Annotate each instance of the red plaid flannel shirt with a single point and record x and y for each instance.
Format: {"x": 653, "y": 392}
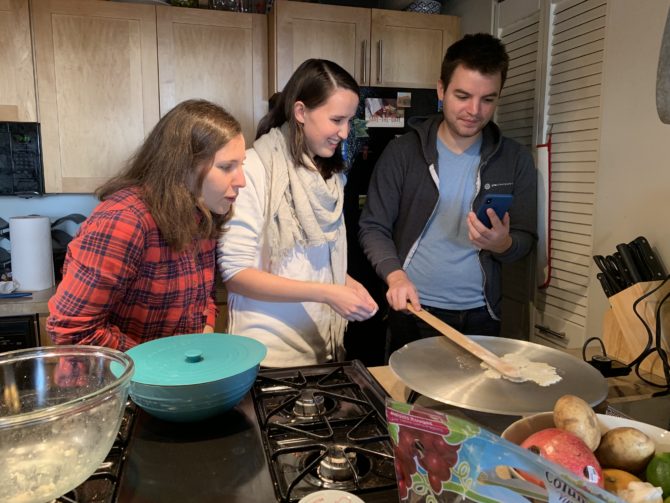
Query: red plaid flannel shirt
{"x": 123, "y": 285}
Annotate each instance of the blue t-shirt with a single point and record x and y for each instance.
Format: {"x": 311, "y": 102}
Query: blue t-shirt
{"x": 445, "y": 268}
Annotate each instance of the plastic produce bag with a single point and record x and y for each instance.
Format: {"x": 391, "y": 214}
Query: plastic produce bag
{"x": 442, "y": 458}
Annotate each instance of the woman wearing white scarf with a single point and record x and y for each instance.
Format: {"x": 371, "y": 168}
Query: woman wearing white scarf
{"x": 284, "y": 254}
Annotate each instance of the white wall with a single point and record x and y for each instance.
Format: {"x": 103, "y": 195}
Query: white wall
{"x": 52, "y": 206}
{"x": 476, "y": 15}
{"x": 513, "y": 10}
{"x": 633, "y": 183}
{"x": 479, "y": 15}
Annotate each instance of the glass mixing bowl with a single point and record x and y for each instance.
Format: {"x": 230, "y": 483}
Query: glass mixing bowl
{"x": 60, "y": 411}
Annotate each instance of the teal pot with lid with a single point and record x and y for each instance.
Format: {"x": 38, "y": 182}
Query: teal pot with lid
{"x": 195, "y": 376}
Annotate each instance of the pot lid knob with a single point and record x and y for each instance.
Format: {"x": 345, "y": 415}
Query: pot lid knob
{"x": 193, "y": 356}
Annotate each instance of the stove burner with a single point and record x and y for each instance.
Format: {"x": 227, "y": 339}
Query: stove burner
{"x": 338, "y": 468}
{"x": 309, "y": 404}
{"x": 323, "y": 427}
{"x": 338, "y": 465}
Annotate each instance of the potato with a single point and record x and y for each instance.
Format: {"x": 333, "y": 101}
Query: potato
{"x": 574, "y": 415}
{"x": 625, "y": 448}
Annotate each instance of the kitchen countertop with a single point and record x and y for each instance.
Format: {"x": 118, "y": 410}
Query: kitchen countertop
{"x": 37, "y": 304}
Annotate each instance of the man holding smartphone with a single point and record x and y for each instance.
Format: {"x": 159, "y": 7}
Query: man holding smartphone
{"x": 419, "y": 228}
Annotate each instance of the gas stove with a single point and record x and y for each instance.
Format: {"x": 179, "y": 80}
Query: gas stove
{"x": 298, "y": 431}
{"x": 101, "y": 486}
{"x": 324, "y": 427}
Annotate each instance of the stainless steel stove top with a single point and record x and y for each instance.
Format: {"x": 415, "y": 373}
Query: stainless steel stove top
{"x": 256, "y": 452}
{"x": 324, "y": 427}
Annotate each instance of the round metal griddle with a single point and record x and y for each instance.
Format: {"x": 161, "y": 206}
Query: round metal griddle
{"x": 439, "y": 369}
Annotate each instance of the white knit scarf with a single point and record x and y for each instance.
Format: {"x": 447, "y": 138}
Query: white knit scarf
{"x": 303, "y": 208}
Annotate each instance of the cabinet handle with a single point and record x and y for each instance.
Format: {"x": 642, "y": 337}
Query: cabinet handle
{"x": 548, "y": 331}
{"x": 365, "y": 61}
{"x": 380, "y": 59}
{"x": 36, "y": 327}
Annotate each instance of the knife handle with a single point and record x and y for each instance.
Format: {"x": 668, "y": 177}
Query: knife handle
{"x": 640, "y": 263}
{"x": 649, "y": 257}
{"x": 611, "y": 274}
{"x": 605, "y": 284}
{"x": 626, "y": 278}
{"x": 629, "y": 261}
{"x": 614, "y": 274}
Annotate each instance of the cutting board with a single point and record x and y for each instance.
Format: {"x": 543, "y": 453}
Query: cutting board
{"x": 624, "y": 334}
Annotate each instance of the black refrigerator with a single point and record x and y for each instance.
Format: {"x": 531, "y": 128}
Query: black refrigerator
{"x": 388, "y": 111}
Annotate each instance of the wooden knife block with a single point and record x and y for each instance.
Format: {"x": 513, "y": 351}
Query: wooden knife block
{"x": 624, "y": 334}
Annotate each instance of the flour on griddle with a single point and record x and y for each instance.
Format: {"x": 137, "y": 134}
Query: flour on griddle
{"x": 538, "y": 372}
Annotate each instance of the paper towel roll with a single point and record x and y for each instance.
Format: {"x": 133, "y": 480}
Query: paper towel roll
{"x": 32, "y": 256}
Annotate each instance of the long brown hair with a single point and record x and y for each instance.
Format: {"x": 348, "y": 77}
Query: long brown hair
{"x": 170, "y": 166}
{"x": 313, "y": 82}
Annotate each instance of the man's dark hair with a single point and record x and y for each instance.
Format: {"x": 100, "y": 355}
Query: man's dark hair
{"x": 481, "y": 52}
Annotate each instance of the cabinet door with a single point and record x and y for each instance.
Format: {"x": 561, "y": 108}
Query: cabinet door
{"x": 17, "y": 84}
{"x": 217, "y": 56}
{"x": 407, "y": 47}
{"x": 299, "y": 31}
{"x": 97, "y": 82}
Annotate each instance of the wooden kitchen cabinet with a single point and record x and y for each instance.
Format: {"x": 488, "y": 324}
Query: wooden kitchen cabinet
{"x": 407, "y": 48}
{"x": 299, "y": 31}
{"x": 45, "y": 340}
{"x": 106, "y": 71}
{"x": 382, "y": 48}
{"x": 97, "y": 81}
{"x": 221, "y": 325}
{"x": 17, "y": 85}
{"x": 217, "y": 56}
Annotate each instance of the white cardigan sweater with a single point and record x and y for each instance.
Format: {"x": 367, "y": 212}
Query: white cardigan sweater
{"x": 295, "y": 333}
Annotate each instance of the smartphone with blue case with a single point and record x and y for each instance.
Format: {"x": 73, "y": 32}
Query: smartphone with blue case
{"x": 500, "y": 203}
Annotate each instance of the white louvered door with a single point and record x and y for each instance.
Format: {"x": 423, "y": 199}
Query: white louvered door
{"x": 576, "y": 41}
{"x": 516, "y": 116}
{"x": 516, "y": 111}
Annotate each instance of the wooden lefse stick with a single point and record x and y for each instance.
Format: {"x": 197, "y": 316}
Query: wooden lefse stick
{"x": 507, "y": 370}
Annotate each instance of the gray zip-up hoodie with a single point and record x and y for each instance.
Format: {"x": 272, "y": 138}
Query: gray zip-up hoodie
{"x": 403, "y": 194}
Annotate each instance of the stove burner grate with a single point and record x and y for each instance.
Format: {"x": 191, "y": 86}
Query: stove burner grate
{"x": 342, "y": 467}
{"x": 101, "y": 486}
{"x": 323, "y": 427}
{"x": 338, "y": 465}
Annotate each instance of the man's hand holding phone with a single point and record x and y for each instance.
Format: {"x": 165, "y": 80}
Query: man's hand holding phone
{"x": 489, "y": 228}
{"x": 499, "y": 203}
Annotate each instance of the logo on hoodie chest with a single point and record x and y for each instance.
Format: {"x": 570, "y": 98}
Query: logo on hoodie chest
{"x": 489, "y": 186}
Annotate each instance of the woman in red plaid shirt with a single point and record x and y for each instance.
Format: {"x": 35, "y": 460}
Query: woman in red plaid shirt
{"x": 142, "y": 265}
